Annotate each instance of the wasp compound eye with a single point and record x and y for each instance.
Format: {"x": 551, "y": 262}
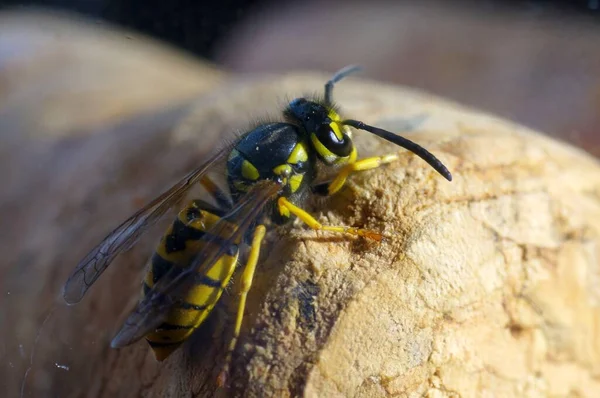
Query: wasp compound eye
{"x": 332, "y": 141}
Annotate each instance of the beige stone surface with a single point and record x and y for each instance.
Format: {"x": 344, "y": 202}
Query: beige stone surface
{"x": 485, "y": 286}
{"x": 53, "y": 62}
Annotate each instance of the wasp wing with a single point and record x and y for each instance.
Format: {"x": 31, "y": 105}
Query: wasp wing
{"x": 172, "y": 287}
{"x": 125, "y": 235}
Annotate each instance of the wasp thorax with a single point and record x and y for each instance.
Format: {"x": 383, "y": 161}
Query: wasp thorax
{"x": 324, "y": 128}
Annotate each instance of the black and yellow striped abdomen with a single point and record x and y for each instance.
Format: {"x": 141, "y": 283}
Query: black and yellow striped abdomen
{"x": 184, "y": 238}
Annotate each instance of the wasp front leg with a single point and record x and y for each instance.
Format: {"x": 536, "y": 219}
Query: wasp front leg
{"x": 286, "y": 208}
{"x": 361, "y": 165}
{"x": 246, "y": 283}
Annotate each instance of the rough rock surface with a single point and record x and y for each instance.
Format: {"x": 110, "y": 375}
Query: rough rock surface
{"x": 487, "y": 285}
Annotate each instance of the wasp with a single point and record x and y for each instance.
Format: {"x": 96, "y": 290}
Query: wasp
{"x": 270, "y": 170}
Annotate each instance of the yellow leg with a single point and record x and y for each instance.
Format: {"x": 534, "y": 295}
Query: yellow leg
{"x": 246, "y": 283}
{"x": 360, "y": 165}
{"x": 286, "y": 207}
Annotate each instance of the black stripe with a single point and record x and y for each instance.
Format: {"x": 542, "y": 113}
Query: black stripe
{"x": 170, "y": 326}
{"x": 216, "y": 240}
{"x": 175, "y": 241}
{"x": 155, "y": 344}
{"x": 160, "y": 267}
{"x": 208, "y": 281}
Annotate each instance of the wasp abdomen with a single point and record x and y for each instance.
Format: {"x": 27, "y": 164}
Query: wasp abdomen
{"x": 188, "y": 234}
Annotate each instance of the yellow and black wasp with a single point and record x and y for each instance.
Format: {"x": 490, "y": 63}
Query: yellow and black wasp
{"x": 270, "y": 172}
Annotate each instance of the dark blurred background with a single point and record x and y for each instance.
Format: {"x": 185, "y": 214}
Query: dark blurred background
{"x": 534, "y": 62}
{"x": 201, "y": 26}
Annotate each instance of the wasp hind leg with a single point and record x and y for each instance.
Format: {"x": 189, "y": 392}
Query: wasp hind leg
{"x": 246, "y": 283}
{"x": 286, "y": 208}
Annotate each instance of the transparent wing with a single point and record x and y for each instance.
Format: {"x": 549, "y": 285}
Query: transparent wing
{"x": 172, "y": 287}
{"x": 125, "y": 235}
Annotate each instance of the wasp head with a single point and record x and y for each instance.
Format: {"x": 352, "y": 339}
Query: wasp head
{"x": 322, "y": 125}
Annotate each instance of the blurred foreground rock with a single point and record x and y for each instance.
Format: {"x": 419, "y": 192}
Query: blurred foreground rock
{"x": 486, "y": 285}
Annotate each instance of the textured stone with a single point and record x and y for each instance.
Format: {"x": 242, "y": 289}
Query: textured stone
{"x": 485, "y": 286}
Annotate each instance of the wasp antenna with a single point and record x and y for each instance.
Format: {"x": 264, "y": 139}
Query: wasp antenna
{"x": 404, "y": 143}
{"x": 339, "y": 75}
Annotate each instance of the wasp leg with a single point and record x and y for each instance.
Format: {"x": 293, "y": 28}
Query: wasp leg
{"x": 246, "y": 283}
{"x": 286, "y": 207}
{"x": 360, "y": 165}
{"x": 217, "y": 193}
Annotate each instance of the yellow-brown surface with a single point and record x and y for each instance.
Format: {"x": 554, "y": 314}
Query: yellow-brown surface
{"x": 485, "y": 285}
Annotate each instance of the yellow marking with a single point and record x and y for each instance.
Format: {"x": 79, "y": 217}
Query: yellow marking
{"x": 284, "y": 169}
{"x": 347, "y": 130}
{"x": 180, "y": 316}
{"x": 205, "y": 221}
{"x": 333, "y": 115}
{"x": 176, "y": 317}
{"x": 199, "y": 295}
{"x": 181, "y": 257}
{"x": 353, "y": 155}
{"x": 299, "y": 154}
{"x": 336, "y": 130}
{"x": 202, "y": 295}
{"x": 295, "y": 181}
{"x": 329, "y": 156}
{"x": 178, "y": 257}
{"x": 314, "y": 224}
{"x": 249, "y": 171}
{"x": 246, "y": 283}
{"x": 222, "y": 269}
{"x": 361, "y": 165}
